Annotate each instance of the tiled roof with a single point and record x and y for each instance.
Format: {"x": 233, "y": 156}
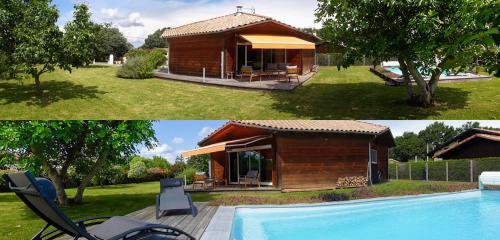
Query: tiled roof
{"x": 219, "y": 24}
{"x": 338, "y": 126}
{"x": 347, "y": 126}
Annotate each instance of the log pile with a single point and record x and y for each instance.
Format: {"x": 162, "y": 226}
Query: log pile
{"x": 349, "y": 182}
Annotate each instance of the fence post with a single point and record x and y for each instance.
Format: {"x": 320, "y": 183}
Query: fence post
{"x": 329, "y": 57}
{"x": 397, "y": 172}
{"x": 471, "y": 171}
{"x": 447, "y": 171}
{"x": 426, "y": 171}
{"x": 409, "y": 169}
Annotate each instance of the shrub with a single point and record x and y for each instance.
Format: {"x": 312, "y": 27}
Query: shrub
{"x": 333, "y": 197}
{"x": 157, "y": 57}
{"x": 137, "y": 68}
{"x": 137, "y": 170}
{"x": 137, "y": 52}
{"x": 363, "y": 192}
{"x": 159, "y": 162}
{"x": 111, "y": 175}
{"x": 157, "y": 174}
{"x": 189, "y": 173}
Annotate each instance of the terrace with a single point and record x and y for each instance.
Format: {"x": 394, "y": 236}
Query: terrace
{"x": 271, "y": 83}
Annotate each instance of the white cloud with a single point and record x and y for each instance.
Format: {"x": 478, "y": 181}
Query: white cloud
{"x": 205, "y": 131}
{"x": 178, "y": 140}
{"x": 138, "y": 19}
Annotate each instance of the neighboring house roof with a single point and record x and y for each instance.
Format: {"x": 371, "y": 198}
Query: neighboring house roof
{"x": 334, "y": 126}
{"x": 465, "y": 137}
{"x": 222, "y": 24}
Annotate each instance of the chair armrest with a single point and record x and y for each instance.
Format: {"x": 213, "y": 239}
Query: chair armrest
{"x": 154, "y": 229}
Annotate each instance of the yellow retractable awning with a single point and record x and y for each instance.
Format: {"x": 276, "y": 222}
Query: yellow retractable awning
{"x": 219, "y": 147}
{"x": 277, "y": 42}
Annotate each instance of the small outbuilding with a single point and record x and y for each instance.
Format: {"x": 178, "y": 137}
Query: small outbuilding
{"x": 297, "y": 154}
{"x": 225, "y": 44}
{"x": 474, "y": 143}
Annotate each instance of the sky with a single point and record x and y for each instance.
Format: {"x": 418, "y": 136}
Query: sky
{"x": 177, "y": 136}
{"x": 136, "y": 19}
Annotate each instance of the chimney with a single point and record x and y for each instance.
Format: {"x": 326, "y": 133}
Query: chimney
{"x": 239, "y": 10}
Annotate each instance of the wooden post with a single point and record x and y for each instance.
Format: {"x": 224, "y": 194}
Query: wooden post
{"x": 409, "y": 169}
{"x": 447, "y": 171}
{"x": 204, "y": 73}
{"x": 471, "y": 171}
{"x": 397, "y": 172}
{"x": 262, "y": 60}
{"x": 426, "y": 171}
{"x": 222, "y": 64}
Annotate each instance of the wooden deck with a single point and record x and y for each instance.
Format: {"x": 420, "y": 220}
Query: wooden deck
{"x": 232, "y": 188}
{"x": 192, "y": 225}
{"x": 256, "y": 84}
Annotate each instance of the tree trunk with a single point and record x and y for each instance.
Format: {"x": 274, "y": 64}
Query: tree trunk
{"x": 38, "y": 85}
{"x": 425, "y": 90}
{"x": 58, "y": 181}
{"x": 407, "y": 79}
{"x": 433, "y": 83}
{"x": 86, "y": 180}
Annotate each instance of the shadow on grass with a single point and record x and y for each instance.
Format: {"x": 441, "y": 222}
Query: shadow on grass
{"x": 54, "y": 91}
{"x": 362, "y": 101}
{"x": 95, "y": 66}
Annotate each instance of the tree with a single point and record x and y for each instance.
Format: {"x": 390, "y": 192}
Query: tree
{"x": 33, "y": 43}
{"x": 85, "y": 145}
{"x": 427, "y": 37}
{"x": 468, "y": 125}
{"x": 437, "y": 134}
{"x": 199, "y": 162}
{"x": 80, "y": 37}
{"x": 156, "y": 40}
{"x": 110, "y": 41}
{"x": 160, "y": 162}
{"x": 407, "y": 147}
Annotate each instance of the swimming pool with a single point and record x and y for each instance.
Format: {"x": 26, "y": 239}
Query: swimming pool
{"x": 461, "y": 216}
{"x": 397, "y": 70}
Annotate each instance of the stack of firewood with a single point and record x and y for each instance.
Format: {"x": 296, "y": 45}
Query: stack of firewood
{"x": 349, "y": 182}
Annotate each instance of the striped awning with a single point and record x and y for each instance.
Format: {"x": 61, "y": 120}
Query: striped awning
{"x": 277, "y": 42}
{"x": 223, "y": 146}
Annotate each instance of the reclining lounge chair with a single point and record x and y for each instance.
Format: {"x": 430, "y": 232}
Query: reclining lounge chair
{"x": 172, "y": 198}
{"x": 39, "y": 195}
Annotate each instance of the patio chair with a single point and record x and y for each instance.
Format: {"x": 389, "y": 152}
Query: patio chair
{"x": 247, "y": 71}
{"x": 292, "y": 72}
{"x": 251, "y": 178}
{"x": 202, "y": 179}
{"x": 173, "y": 199}
{"x": 39, "y": 195}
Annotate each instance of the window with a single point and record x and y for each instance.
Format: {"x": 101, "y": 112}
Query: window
{"x": 374, "y": 157}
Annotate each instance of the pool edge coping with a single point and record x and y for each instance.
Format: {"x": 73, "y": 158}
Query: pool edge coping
{"x": 221, "y": 225}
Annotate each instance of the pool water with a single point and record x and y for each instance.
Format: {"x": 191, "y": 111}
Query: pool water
{"x": 462, "y": 216}
{"x": 398, "y": 71}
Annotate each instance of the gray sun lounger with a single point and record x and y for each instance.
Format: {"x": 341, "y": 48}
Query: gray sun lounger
{"x": 39, "y": 195}
{"x": 172, "y": 199}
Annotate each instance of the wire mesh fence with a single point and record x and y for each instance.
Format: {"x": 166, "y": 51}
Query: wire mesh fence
{"x": 335, "y": 59}
{"x": 450, "y": 170}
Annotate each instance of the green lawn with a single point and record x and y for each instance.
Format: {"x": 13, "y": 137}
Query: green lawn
{"x": 95, "y": 93}
{"x": 18, "y": 222}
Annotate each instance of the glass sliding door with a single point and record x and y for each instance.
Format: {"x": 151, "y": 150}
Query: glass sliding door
{"x": 242, "y": 162}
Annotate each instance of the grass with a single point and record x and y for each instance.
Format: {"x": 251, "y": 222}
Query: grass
{"x": 96, "y": 93}
{"x": 17, "y": 221}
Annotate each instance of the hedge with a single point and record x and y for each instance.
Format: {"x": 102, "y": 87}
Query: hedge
{"x": 458, "y": 170}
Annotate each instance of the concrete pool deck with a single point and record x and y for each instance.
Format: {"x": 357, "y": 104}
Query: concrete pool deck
{"x": 220, "y": 226}
{"x": 393, "y": 79}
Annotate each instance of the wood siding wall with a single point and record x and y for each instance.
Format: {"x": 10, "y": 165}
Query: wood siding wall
{"x": 189, "y": 55}
{"x": 318, "y": 162}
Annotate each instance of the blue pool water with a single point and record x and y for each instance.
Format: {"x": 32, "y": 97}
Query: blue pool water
{"x": 463, "y": 216}
{"x": 398, "y": 71}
